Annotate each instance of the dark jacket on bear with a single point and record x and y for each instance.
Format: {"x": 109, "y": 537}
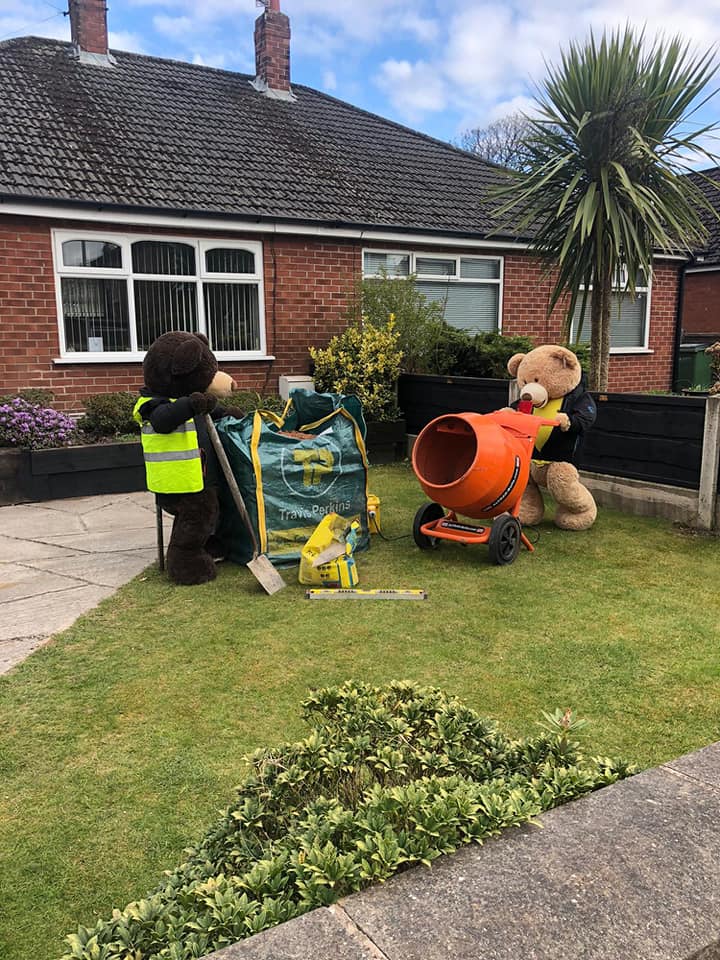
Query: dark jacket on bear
{"x": 165, "y": 415}
{"x": 563, "y": 446}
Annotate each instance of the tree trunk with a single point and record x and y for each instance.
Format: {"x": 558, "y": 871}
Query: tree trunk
{"x": 606, "y": 301}
{"x": 596, "y": 333}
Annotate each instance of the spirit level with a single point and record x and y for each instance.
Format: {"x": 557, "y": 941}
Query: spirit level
{"x": 355, "y": 594}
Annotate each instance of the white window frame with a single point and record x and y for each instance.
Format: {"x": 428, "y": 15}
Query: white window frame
{"x": 639, "y": 290}
{"x": 125, "y": 241}
{"x": 435, "y": 278}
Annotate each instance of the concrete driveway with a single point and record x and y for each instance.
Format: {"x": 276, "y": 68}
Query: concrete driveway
{"x": 60, "y": 558}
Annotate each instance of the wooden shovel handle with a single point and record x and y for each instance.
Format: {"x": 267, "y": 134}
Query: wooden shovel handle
{"x": 231, "y": 482}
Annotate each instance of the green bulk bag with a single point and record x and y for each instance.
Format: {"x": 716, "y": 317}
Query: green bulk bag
{"x": 289, "y": 484}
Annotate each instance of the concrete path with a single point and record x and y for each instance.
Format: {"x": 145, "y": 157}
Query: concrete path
{"x": 60, "y": 558}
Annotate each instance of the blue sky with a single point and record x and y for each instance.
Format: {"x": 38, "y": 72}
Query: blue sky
{"x": 436, "y": 65}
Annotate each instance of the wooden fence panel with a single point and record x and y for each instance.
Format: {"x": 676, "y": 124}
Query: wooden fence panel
{"x": 654, "y": 438}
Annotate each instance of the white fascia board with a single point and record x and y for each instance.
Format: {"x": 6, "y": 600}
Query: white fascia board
{"x": 712, "y": 268}
{"x": 188, "y": 223}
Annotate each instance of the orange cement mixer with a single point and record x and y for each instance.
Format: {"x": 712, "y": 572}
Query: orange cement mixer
{"x": 478, "y": 466}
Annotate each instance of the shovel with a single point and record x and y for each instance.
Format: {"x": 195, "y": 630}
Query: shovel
{"x": 260, "y": 567}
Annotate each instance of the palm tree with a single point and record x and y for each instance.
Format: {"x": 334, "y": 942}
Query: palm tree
{"x": 604, "y": 185}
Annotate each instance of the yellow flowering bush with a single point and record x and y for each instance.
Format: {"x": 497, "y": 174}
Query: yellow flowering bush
{"x": 365, "y": 360}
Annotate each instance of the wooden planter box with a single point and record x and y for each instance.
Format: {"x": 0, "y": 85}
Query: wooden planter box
{"x": 30, "y": 476}
{"x": 386, "y": 441}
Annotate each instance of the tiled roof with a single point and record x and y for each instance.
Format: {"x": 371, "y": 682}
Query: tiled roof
{"x": 161, "y": 134}
{"x": 711, "y": 252}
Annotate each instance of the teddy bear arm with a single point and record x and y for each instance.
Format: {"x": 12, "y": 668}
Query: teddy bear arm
{"x": 165, "y": 416}
{"x": 202, "y": 402}
{"x": 583, "y": 414}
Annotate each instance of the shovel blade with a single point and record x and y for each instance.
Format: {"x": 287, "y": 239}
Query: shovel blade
{"x": 266, "y": 574}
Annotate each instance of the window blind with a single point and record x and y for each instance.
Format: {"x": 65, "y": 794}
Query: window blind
{"x": 627, "y": 320}
{"x": 473, "y": 307}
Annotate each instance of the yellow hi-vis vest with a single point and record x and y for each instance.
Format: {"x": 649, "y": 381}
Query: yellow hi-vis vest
{"x": 172, "y": 460}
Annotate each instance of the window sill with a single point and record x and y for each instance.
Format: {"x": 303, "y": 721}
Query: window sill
{"x": 139, "y": 357}
{"x": 615, "y": 351}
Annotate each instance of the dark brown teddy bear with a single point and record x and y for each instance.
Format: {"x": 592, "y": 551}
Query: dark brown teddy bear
{"x": 182, "y": 383}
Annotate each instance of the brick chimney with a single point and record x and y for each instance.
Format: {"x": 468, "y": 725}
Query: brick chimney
{"x": 272, "y": 51}
{"x": 88, "y": 30}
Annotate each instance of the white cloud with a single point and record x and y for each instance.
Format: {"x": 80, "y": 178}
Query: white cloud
{"x": 34, "y": 19}
{"x": 125, "y": 40}
{"x": 209, "y": 61}
{"x": 329, "y": 80}
{"x": 413, "y": 88}
{"x": 175, "y": 28}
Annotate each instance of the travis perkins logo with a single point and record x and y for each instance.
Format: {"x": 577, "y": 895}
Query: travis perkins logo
{"x": 311, "y": 471}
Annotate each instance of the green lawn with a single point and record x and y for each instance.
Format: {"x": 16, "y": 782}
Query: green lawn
{"x": 121, "y": 740}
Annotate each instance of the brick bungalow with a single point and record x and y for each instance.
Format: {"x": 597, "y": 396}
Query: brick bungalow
{"x": 139, "y": 194}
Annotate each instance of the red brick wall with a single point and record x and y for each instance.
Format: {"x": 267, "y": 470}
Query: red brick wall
{"x": 88, "y": 25}
{"x": 272, "y": 49}
{"x": 525, "y": 303}
{"x": 307, "y": 285}
{"x": 701, "y": 305}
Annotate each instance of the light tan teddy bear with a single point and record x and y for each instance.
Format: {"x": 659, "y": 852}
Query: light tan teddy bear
{"x": 550, "y": 377}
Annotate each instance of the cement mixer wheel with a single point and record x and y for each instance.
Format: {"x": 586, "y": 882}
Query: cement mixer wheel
{"x": 426, "y": 514}
{"x": 504, "y": 542}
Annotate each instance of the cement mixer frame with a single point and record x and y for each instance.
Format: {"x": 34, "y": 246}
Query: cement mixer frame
{"x": 478, "y": 466}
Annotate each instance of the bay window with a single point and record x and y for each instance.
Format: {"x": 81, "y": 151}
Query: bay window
{"x": 118, "y": 294}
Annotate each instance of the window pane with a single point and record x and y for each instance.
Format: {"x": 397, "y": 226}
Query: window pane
{"x": 433, "y": 266}
{"x": 229, "y": 260}
{"x": 161, "y": 306}
{"x": 627, "y": 325}
{"x": 95, "y": 314}
{"x": 394, "y": 264}
{"x": 233, "y": 316}
{"x": 159, "y": 257}
{"x": 480, "y": 269}
{"x": 469, "y": 306}
{"x": 91, "y": 253}
{"x": 627, "y": 320}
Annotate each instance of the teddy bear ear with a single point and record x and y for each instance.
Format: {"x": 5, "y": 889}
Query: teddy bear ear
{"x": 203, "y": 339}
{"x": 187, "y": 356}
{"x": 514, "y": 363}
{"x": 566, "y": 357}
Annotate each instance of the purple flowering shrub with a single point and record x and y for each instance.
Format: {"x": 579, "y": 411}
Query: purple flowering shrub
{"x": 24, "y": 424}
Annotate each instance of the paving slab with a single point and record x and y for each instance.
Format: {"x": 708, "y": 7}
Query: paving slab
{"x": 702, "y": 765}
{"x": 18, "y": 582}
{"x": 125, "y": 515}
{"x": 143, "y": 498}
{"x": 319, "y": 935}
{"x": 108, "y": 569}
{"x": 60, "y": 558}
{"x": 32, "y": 617}
{"x": 632, "y": 871}
{"x": 13, "y": 549}
{"x": 79, "y": 505}
{"x": 107, "y": 541}
{"x": 34, "y": 522}
{"x": 13, "y": 652}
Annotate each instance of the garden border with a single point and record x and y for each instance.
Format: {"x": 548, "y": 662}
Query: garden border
{"x": 608, "y": 877}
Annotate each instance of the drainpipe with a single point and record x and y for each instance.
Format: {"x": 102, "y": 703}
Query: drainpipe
{"x": 678, "y": 328}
